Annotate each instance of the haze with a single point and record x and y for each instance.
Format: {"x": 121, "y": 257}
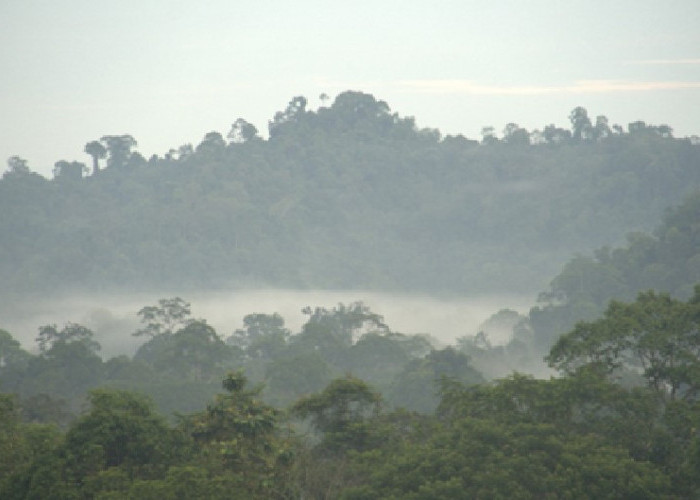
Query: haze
{"x": 169, "y": 72}
{"x": 114, "y": 319}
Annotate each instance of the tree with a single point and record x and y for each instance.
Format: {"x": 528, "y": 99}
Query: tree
{"x": 193, "y": 353}
{"x": 66, "y": 368}
{"x": 98, "y": 152}
{"x": 602, "y": 129}
{"x": 242, "y": 131}
{"x": 184, "y": 152}
{"x": 290, "y": 377}
{"x": 340, "y": 412}
{"x": 238, "y": 433}
{"x": 22, "y": 448}
{"x": 665, "y": 131}
{"x": 555, "y": 135}
{"x": 212, "y": 146}
{"x": 346, "y": 322}
{"x": 262, "y": 335}
{"x": 416, "y": 388}
{"x": 580, "y": 124}
{"x": 656, "y": 334}
{"x": 118, "y": 149}
{"x": 294, "y": 111}
{"x": 355, "y": 106}
{"x": 637, "y": 127}
{"x": 513, "y": 134}
{"x": 11, "y": 353}
{"x": 49, "y": 337}
{"x": 69, "y": 170}
{"x": 120, "y": 430}
{"x": 135, "y": 160}
{"x": 16, "y": 167}
{"x": 488, "y": 135}
{"x": 164, "y": 318}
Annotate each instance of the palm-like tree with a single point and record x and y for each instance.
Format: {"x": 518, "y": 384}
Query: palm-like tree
{"x": 97, "y": 151}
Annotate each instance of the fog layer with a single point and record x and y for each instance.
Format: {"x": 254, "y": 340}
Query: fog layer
{"x": 113, "y": 317}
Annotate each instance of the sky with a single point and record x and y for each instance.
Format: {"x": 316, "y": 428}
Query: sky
{"x": 168, "y": 72}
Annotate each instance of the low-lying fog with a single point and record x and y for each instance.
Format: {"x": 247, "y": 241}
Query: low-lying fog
{"x": 113, "y": 317}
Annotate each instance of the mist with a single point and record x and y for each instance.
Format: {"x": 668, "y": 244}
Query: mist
{"x": 113, "y": 317}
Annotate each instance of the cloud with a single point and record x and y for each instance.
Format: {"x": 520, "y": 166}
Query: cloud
{"x": 579, "y": 87}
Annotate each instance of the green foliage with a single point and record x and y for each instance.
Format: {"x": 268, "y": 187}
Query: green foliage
{"x": 308, "y": 206}
{"x": 67, "y": 370}
{"x": 238, "y": 434}
{"x": 120, "y": 430}
{"x": 340, "y": 413}
{"x": 50, "y": 338}
{"x": 479, "y": 459}
{"x": 655, "y": 334}
{"x": 262, "y": 335}
{"x": 291, "y": 377}
{"x": 12, "y": 356}
{"x": 594, "y": 432}
{"x": 194, "y": 352}
{"x": 164, "y": 319}
{"x": 417, "y": 386}
{"x": 665, "y": 261}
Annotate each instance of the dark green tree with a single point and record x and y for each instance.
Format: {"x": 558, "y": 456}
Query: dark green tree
{"x": 341, "y": 413}
{"x": 656, "y": 334}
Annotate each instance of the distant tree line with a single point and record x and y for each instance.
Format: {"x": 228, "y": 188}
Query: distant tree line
{"x": 348, "y": 195}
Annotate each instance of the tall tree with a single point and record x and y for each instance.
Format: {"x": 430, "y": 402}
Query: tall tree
{"x": 295, "y": 109}
{"x": 602, "y": 129}
{"x": 16, "y": 167}
{"x": 118, "y": 149}
{"x": 514, "y": 134}
{"x": 580, "y": 124}
{"x": 165, "y": 318}
{"x": 98, "y": 152}
{"x": 242, "y": 131}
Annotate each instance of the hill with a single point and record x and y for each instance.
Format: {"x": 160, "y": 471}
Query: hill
{"x": 346, "y": 196}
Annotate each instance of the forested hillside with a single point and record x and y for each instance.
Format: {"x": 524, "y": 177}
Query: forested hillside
{"x": 667, "y": 260}
{"x": 348, "y": 408}
{"x": 347, "y": 196}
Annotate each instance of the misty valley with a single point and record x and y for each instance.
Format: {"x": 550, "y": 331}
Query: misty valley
{"x": 355, "y": 308}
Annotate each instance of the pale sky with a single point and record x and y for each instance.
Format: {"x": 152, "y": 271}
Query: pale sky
{"x": 168, "y": 72}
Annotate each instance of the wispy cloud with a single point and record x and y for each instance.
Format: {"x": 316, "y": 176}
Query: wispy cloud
{"x": 663, "y": 61}
{"x": 579, "y": 87}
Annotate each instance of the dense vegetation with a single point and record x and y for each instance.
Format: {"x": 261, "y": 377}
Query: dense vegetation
{"x": 666, "y": 260}
{"x": 620, "y": 422}
{"x": 352, "y": 195}
{"x": 348, "y": 196}
{"x": 182, "y": 361}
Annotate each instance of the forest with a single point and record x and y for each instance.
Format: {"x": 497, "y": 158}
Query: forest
{"x": 596, "y": 394}
{"x": 348, "y": 196}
